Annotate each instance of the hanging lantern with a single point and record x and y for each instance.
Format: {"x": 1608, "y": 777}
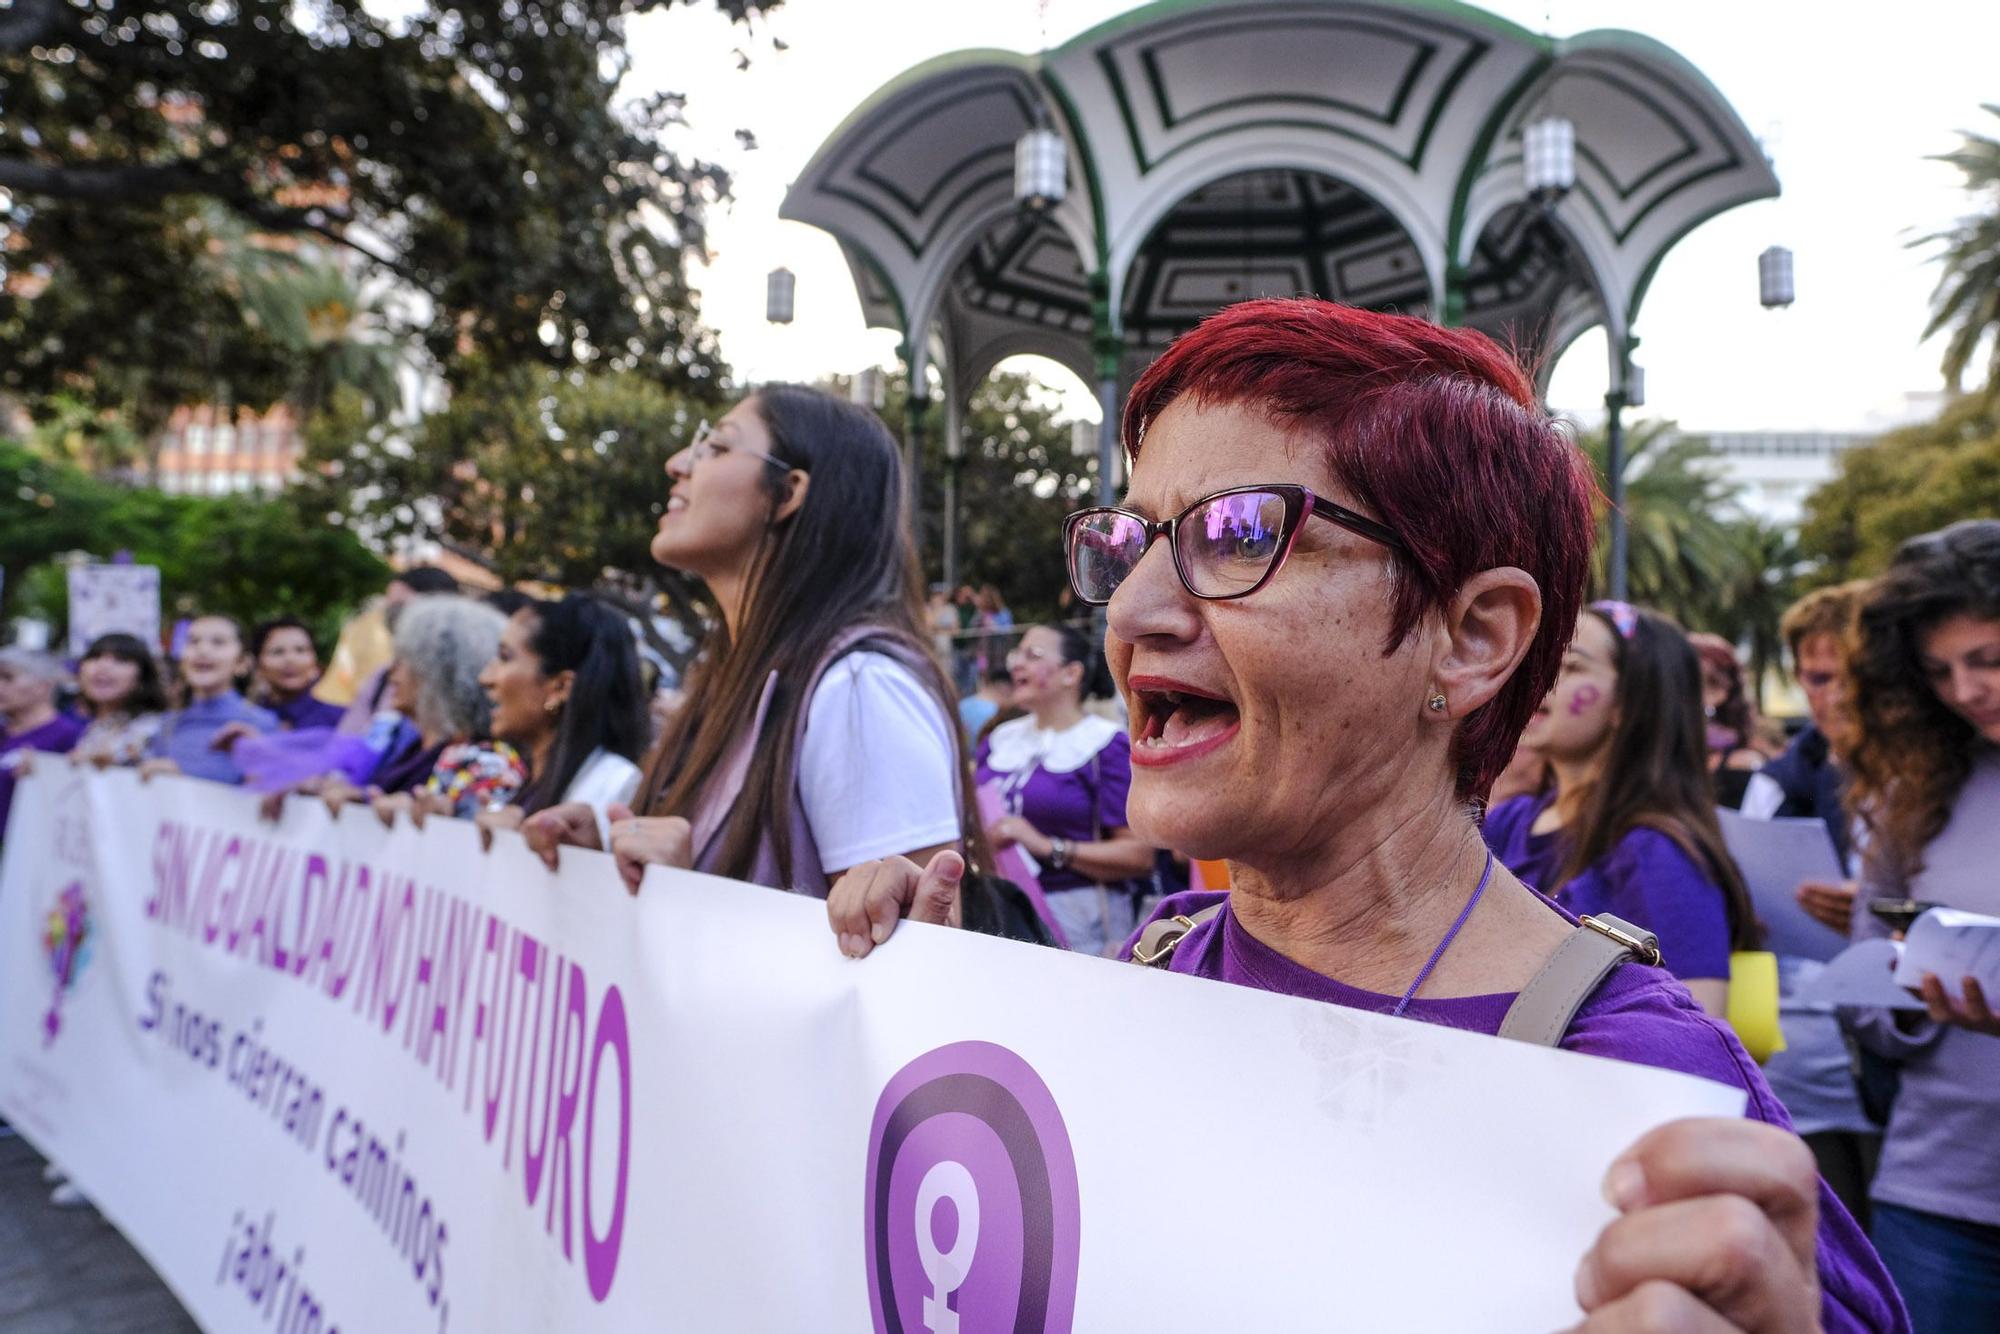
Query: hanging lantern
{"x": 1083, "y": 439}
{"x": 1041, "y": 168}
{"x": 1635, "y": 385}
{"x": 778, "y": 296}
{"x": 1548, "y": 158}
{"x": 866, "y": 388}
{"x": 1774, "y": 278}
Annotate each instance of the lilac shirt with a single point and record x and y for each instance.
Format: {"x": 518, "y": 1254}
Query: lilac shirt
{"x": 1640, "y": 1015}
{"x": 1080, "y": 805}
{"x": 57, "y": 736}
{"x": 1645, "y": 879}
{"x": 185, "y": 736}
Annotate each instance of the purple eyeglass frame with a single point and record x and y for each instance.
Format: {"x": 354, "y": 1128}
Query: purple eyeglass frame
{"x": 1299, "y": 502}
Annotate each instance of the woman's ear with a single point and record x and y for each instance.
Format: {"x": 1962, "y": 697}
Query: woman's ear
{"x": 559, "y": 687}
{"x": 797, "y": 483}
{"x": 1487, "y": 630}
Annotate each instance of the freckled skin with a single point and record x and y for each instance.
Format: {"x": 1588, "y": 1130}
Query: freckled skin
{"x": 1330, "y": 725}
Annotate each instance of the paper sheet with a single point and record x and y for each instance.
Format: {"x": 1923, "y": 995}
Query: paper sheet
{"x": 1775, "y": 857}
{"x": 1954, "y": 945}
{"x": 1864, "y": 974}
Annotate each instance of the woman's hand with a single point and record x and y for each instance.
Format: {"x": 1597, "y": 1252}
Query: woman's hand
{"x": 227, "y": 735}
{"x": 638, "y": 842}
{"x": 1829, "y": 904}
{"x": 1970, "y": 1010}
{"x": 388, "y": 805}
{"x": 1718, "y": 1231}
{"x": 152, "y": 768}
{"x": 866, "y": 903}
{"x": 1008, "y": 830}
{"x": 336, "y": 792}
{"x": 571, "y": 824}
{"x": 495, "y": 818}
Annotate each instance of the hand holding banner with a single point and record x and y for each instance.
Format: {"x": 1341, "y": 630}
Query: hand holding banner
{"x": 377, "y": 1079}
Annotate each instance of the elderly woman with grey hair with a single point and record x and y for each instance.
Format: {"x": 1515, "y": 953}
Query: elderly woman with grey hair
{"x": 441, "y": 644}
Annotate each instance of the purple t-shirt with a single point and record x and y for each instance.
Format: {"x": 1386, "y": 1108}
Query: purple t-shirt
{"x": 1637, "y": 1014}
{"x": 185, "y": 736}
{"x": 1073, "y": 795}
{"x": 57, "y": 736}
{"x": 1645, "y": 879}
{"x": 303, "y": 711}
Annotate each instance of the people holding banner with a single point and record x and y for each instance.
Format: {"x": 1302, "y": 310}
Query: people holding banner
{"x": 1923, "y": 679}
{"x": 566, "y": 692}
{"x": 196, "y": 739}
{"x": 443, "y": 643}
{"x": 121, "y": 693}
{"x": 29, "y": 721}
{"x": 287, "y": 669}
{"x": 1060, "y": 775}
{"x": 1376, "y": 544}
{"x": 818, "y": 731}
{"x": 1628, "y": 824}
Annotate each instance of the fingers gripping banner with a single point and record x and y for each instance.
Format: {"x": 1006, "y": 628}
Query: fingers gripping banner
{"x": 331, "y": 1076}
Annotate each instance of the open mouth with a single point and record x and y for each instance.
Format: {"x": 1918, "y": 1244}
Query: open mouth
{"x": 1173, "y": 721}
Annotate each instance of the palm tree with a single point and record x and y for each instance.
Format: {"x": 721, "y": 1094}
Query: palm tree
{"x": 1967, "y": 299}
{"x": 340, "y": 335}
{"x": 1678, "y": 514}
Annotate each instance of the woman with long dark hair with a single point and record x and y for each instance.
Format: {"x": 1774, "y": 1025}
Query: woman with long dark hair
{"x": 818, "y": 730}
{"x": 1731, "y": 719}
{"x": 123, "y": 693}
{"x": 1628, "y": 824}
{"x": 286, "y": 668}
{"x": 1058, "y": 778}
{"x": 566, "y": 693}
{"x": 1923, "y": 771}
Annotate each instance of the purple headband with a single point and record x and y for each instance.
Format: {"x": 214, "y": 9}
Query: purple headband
{"x": 1624, "y": 617}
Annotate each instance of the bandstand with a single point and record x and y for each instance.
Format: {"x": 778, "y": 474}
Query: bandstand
{"x": 1207, "y": 151}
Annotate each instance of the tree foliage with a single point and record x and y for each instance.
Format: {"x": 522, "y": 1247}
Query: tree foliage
{"x": 246, "y": 557}
{"x": 1966, "y": 304}
{"x": 1911, "y": 481}
{"x": 476, "y": 150}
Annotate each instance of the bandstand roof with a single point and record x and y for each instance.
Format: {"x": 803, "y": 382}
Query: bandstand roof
{"x": 1221, "y": 149}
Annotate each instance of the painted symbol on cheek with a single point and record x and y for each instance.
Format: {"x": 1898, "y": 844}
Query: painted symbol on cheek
{"x": 1585, "y": 697}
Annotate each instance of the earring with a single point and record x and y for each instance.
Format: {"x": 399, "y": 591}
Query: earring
{"x": 1437, "y": 703}
{"x": 552, "y": 707}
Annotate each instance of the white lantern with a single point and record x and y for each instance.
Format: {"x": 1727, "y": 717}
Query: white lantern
{"x": 1774, "y": 278}
{"x": 778, "y": 296}
{"x": 1635, "y": 385}
{"x": 1041, "y": 169}
{"x": 1548, "y": 158}
{"x": 1083, "y": 439}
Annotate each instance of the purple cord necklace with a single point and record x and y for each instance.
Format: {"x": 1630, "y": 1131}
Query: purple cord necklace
{"x": 1445, "y": 944}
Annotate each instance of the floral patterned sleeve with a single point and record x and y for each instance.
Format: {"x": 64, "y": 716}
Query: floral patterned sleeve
{"x": 477, "y": 776}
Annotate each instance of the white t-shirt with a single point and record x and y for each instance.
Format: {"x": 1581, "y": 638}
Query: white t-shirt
{"x": 604, "y": 778}
{"x": 877, "y": 772}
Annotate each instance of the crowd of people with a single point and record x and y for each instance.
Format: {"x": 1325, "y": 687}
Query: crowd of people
{"x": 1355, "y": 734}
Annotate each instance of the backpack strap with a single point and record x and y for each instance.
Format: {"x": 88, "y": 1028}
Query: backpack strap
{"x": 1541, "y": 1013}
{"x": 1155, "y": 948}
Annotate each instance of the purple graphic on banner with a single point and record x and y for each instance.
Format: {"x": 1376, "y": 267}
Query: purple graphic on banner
{"x": 66, "y": 940}
{"x": 973, "y": 1214}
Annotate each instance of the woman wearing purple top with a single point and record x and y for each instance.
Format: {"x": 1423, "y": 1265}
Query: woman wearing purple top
{"x": 1923, "y": 677}
{"x": 1353, "y": 548}
{"x": 287, "y": 669}
{"x": 1628, "y": 824}
{"x": 1061, "y": 776}
{"x": 196, "y": 740}
{"x": 28, "y": 718}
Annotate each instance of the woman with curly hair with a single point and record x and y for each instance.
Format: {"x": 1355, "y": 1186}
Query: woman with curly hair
{"x": 1924, "y": 781}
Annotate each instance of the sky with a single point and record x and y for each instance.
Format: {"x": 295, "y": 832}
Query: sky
{"x": 1848, "y": 108}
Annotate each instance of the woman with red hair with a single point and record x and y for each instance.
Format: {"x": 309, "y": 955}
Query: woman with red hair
{"x": 1351, "y": 553}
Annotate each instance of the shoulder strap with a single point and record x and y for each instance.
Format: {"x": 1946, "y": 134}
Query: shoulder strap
{"x": 1156, "y": 943}
{"x": 1541, "y": 1013}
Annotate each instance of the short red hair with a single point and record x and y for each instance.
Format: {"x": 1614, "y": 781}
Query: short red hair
{"x": 1438, "y": 432}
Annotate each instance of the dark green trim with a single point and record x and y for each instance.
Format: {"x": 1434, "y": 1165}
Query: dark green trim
{"x": 1421, "y": 54}
{"x": 859, "y": 254}
{"x": 1088, "y": 152}
{"x": 1482, "y": 146}
{"x": 1665, "y": 248}
{"x": 1450, "y": 10}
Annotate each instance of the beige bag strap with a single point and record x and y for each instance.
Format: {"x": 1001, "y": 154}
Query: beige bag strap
{"x": 1541, "y": 1013}
{"x": 1157, "y": 941}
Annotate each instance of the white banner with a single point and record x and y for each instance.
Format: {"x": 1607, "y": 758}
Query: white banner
{"x": 332, "y": 1077}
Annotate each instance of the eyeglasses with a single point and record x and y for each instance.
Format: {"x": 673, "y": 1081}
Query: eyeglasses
{"x": 1225, "y": 545}
{"x": 704, "y": 445}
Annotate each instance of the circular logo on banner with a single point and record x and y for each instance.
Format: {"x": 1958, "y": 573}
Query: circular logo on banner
{"x": 973, "y": 1216}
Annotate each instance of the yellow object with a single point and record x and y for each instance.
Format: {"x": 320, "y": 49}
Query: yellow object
{"x": 1753, "y": 1003}
{"x": 364, "y": 646}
